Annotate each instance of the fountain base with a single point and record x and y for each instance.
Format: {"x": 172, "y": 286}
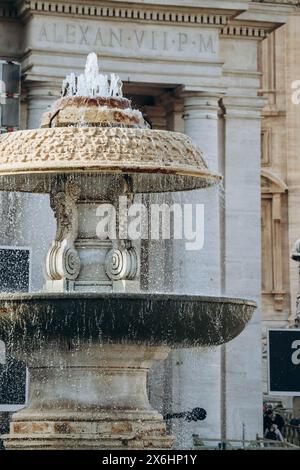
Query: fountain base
{"x": 89, "y": 396}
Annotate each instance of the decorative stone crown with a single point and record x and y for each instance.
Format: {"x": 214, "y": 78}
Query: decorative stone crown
{"x": 98, "y": 111}
{"x": 99, "y": 132}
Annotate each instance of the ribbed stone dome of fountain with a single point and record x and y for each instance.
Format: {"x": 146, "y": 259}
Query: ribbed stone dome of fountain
{"x": 92, "y": 128}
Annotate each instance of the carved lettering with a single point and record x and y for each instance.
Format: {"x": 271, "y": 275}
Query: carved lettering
{"x": 83, "y": 31}
{"x": 206, "y": 44}
{"x": 115, "y": 38}
{"x": 99, "y": 39}
{"x": 70, "y": 34}
{"x": 165, "y": 41}
{"x": 187, "y": 42}
{"x": 56, "y": 36}
{"x": 43, "y": 34}
{"x": 153, "y": 41}
{"x": 139, "y": 37}
{"x": 182, "y": 41}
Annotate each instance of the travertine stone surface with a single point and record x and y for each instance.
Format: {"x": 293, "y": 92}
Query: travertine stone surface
{"x": 94, "y": 398}
{"x": 102, "y": 149}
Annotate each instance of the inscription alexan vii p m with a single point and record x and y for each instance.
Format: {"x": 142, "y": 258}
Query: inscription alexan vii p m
{"x": 131, "y": 39}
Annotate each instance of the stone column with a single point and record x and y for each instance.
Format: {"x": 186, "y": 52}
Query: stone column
{"x": 40, "y": 96}
{"x": 196, "y": 373}
{"x": 15, "y": 228}
{"x": 242, "y": 260}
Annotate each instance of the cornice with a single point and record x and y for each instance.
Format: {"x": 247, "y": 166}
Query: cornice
{"x": 244, "y": 31}
{"x": 278, "y": 2}
{"x": 243, "y": 18}
{"x": 108, "y": 10}
{"x": 259, "y": 20}
{"x": 267, "y": 15}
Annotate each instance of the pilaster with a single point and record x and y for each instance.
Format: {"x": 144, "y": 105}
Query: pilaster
{"x": 242, "y": 254}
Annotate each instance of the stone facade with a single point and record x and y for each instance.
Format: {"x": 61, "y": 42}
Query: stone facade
{"x": 280, "y": 178}
{"x": 191, "y": 66}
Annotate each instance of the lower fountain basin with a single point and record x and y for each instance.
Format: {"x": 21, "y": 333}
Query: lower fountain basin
{"x": 31, "y": 321}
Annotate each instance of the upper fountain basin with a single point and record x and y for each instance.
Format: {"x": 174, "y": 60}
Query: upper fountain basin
{"x": 93, "y": 128}
{"x": 157, "y": 161}
{"x": 29, "y": 321}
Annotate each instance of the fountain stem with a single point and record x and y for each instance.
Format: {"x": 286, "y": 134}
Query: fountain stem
{"x": 78, "y": 260}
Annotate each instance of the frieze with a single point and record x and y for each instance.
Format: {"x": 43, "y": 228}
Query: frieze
{"x": 137, "y": 40}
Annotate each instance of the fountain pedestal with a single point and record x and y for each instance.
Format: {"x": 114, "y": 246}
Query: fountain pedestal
{"x": 89, "y": 397}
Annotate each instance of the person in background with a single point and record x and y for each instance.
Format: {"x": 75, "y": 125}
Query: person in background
{"x": 271, "y": 417}
{"x": 279, "y": 421}
{"x": 273, "y": 434}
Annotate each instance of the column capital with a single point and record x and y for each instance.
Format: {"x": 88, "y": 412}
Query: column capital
{"x": 185, "y": 92}
{"x": 200, "y": 103}
{"x": 43, "y": 89}
{"x": 200, "y": 106}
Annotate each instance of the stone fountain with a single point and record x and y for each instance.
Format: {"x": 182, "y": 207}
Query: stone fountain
{"x": 91, "y": 336}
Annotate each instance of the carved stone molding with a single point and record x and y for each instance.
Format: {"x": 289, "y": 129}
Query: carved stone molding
{"x": 153, "y": 14}
{"x": 121, "y": 264}
{"x": 272, "y": 191}
{"x": 279, "y": 2}
{"x": 244, "y": 31}
{"x": 63, "y": 262}
{"x": 266, "y": 147}
{"x": 271, "y": 184}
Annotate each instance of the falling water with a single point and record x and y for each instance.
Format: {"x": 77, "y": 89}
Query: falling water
{"x": 33, "y": 321}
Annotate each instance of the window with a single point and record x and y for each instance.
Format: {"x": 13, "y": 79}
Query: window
{"x": 273, "y": 190}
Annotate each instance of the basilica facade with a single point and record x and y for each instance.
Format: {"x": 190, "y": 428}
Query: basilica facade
{"x": 280, "y": 183}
